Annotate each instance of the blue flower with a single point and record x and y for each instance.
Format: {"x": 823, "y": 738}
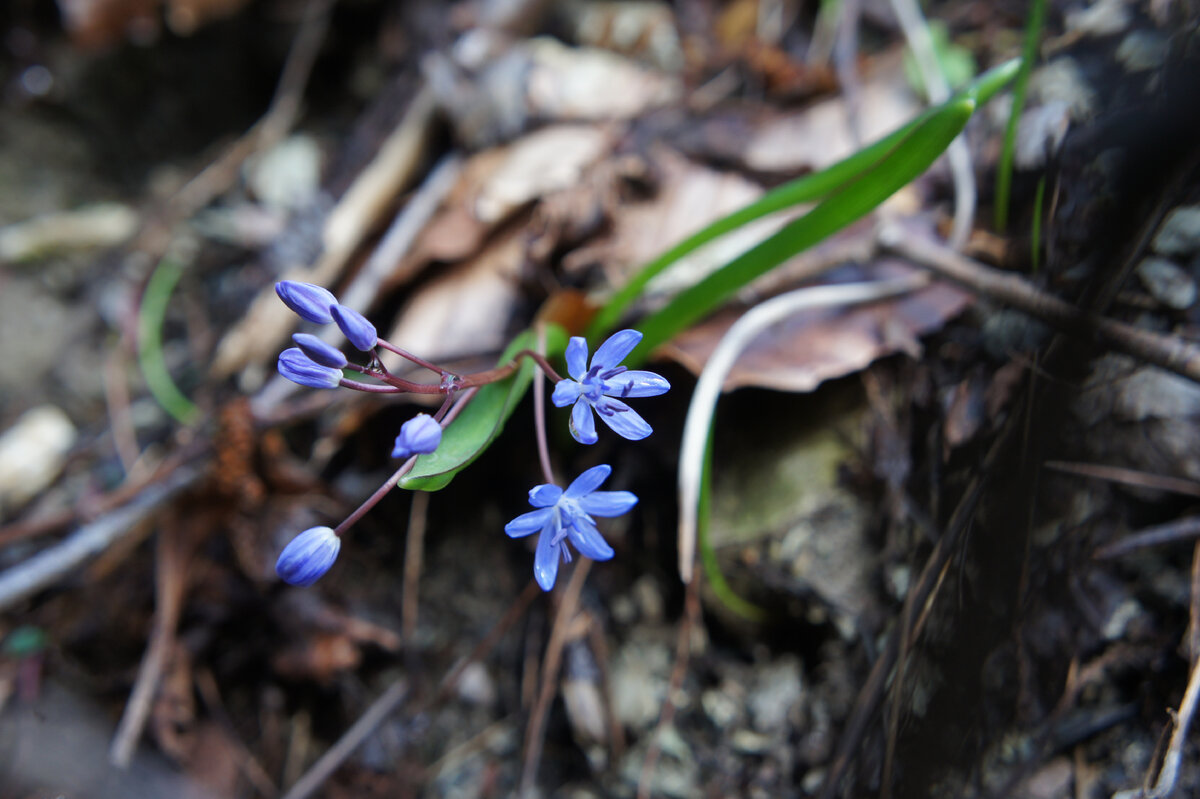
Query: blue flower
{"x": 601, "y": 385}
{"x": 567, "y": 515}
{"x": 420, "y": 435}
{"x": 299, "y": 368}
{"x": 358, "y": 330}
{"x": 319, "y": 351}
{"x": 309, "y": 555}
{"x": 309, "y": 301}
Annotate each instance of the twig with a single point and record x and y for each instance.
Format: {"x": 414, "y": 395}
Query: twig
{"x": 48, "y": 566}
{"x": 691, "y": 618}
{"x": 1179, "y": 530}
{"x": 722, "y": 359}
{"x": 539, "y": 412}
{"x": 536, "y": 731}
{"x": 1117, "y": 474}
{"x": 1169, "y": 352}
{"x": 1168, "y": 775}
{"x": 413, "y": 554}
{"x": 515, "y": 611}
{"x": 328, "y": 763}
{"x": 171, "y": 585}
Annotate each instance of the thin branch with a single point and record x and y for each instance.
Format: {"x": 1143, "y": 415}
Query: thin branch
{"x": 1169, "y": 352}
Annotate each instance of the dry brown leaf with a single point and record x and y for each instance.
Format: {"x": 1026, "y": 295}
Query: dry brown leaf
{"x": 689, "y": 196}
{"x": 820, "y": 345}
{"x": 819, "y": 135}
{"x": 318, "y": 657}
{"x": 465, "y": 310}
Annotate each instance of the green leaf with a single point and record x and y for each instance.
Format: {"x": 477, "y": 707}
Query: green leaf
{"x": 1033, "y": 37}
{"x": 151, "y": 316}
{"x": 482, "y": 420}
{"x": 907, "y": 159}
{"x": 802, "y": 190}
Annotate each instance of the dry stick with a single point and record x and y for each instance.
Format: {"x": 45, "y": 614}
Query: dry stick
{"x": 1193, "y": 634}
{"x": 1117, "y": 474}
{"x": 1178, "y": 530}
{"x": 926, "y": 586}
{"x": 1169, "y": 352}
{"x": 536, "y": 731}
{"x": 1168, "y": 775}
{"x": 691, "y": 618}
{"x": 48, "y": 566}
{"x": 210, "y": 693}
{"x": 413, "y": 552}
{"x": 171, "y": 585}
{"x": 116, "y": 399}
{"x": 328, "y": 763}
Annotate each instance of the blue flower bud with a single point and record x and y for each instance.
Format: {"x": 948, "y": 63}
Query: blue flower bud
{"x": 309, "y": 555}
{"x": 358, "y": 330}
{"x": 319, "y": 351}
{"x": 309, "y": 301}
{"x": 299, "y": 368}
{"x": 420, "y": 435}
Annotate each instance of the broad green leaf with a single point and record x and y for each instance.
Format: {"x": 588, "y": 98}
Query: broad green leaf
{"x": 802, "y": 190}
{"x": 482, "y": 420}
{"x": 907, "y": 159}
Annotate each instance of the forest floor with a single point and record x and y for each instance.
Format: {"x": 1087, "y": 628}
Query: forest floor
{"x": 964, "y": 523}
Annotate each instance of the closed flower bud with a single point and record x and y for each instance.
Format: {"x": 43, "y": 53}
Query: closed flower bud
{"x": 299, "y": 368}
{"x": 309, "y": 301}
{"x": 309, "y": 555}
{"x": 420, "y": 435}
{"x": 319, "y": 351}
{"x": 358, "y": 330}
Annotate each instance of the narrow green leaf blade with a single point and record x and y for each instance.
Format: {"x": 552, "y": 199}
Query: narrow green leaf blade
{"x": 908, "y": 159}
{"x": 809, "y": 188}
{"x": 482, "y": 420}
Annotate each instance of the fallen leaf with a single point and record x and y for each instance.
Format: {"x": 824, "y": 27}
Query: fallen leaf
{"x": 818, "y": 345}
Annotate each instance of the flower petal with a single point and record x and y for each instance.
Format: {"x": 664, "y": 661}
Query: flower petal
{"x": 588, "y": 541}
{"x": 583, "y": 426}
{"x": 608, "y": 503}
{"x": 613, "y": 351}
{"x": 636, "y": 384}
{"x": 319, "y": 351}
{"x": 308, "y": 556}
{"x": 528, "y": 523}
{"x": 577, "y": 357}
{"x": 545, "y": 561}
{"x": 565, "y": 392}
{"x": 545, "y": 495}
{"x": 299, "y": 368}
{"x": 309, "y": 301}
{"x": 420, "y": 435}
{"x": 358, "y": 331}
{"x": 589, "y": 481}
{"x": 624, "y": 420}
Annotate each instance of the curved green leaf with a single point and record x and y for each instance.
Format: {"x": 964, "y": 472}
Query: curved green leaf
{"x": 482, "y": 420}
{"x": 809, "y": 188}
{"x": 908, "y": 159}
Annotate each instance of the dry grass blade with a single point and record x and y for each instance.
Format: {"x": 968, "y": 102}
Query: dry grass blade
{"x": 708, "y": 387}
{"x": 1132, "y": 477}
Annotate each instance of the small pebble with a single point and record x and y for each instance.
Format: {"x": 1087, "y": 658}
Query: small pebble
{"x": 1167, "y": 282}
{"x": 1180, "y": 232}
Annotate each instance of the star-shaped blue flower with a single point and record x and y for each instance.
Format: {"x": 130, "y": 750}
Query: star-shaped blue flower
{"x": 604, "y": 387}
{"x": 567, "y": 515}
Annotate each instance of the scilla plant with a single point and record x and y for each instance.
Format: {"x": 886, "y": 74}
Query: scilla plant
{"x": 476, "y": 406}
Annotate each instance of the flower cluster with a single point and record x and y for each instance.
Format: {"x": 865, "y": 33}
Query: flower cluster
{"x": 561, "y": 516}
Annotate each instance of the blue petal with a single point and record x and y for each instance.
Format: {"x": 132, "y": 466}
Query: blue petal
{"x": 565, "y": 392}
{"x": 299, "y": 368}
{"x": 625, "y": 421}
{"x": 583, "y": 426}
{"x": 613, "y": 351}
{"x": 636, "y": 384}
{"x": 308, "y": 556}
{"x": 528, "y": 523}
{"x": 589, "y": 481}
{"x": 420, "y": 435}
{"x": 545, "y": 495}
{"x": 608, "y": 503}
{"x": 545, "y": 561}
{"x": 319, "y": 351}
{"x": 355, "y": 326}
{"x": 309, "y": 301}
{"x": 577, "y": 357}
{"x": 588, "y": 541}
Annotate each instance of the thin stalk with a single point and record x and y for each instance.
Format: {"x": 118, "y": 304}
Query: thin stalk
{"x": 1033, "y": 35}
{"x": 539, "y": 414}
